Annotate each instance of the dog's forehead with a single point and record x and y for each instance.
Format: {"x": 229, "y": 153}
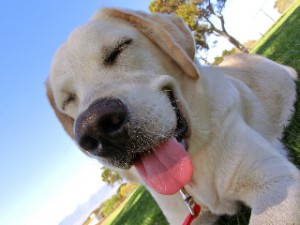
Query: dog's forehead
{"x": 87, "y": 43}
{"x": 97, "y": 33}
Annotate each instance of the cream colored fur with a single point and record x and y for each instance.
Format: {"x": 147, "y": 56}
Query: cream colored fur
{"x": 236, "y": 111}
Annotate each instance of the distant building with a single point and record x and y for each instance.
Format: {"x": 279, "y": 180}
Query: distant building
{"x": 93, "y": 219}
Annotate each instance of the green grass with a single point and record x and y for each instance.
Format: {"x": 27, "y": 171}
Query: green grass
{"x": 281, "y": 44}
{"x": 140, "y": 209}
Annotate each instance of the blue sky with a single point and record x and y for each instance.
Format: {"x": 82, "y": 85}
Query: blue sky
{"x": 40, "y": 167}
{"x": 37, "y": 158}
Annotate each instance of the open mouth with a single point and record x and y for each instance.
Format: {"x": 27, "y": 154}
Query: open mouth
{"x": 182, "y": 125}
{"x": 168, "y": 168}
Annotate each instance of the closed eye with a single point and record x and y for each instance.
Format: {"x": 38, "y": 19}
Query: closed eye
{"x": 70, "y": 99}
{"x": 112, "y": 55}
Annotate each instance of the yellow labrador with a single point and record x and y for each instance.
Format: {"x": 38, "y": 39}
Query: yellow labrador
{"x": 127, "y": 89}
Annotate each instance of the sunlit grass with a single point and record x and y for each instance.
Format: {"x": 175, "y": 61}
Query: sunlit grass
{"x": 140, "y": 209}
{"x": 282, "y": 44}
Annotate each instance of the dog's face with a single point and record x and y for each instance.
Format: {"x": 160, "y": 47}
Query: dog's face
{"x": 116, "y": 90}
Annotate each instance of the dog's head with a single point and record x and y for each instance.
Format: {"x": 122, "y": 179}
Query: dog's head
{"x": 114, "y": 84}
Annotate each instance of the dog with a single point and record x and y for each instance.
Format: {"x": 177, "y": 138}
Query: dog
{"x": 127, "y": 88}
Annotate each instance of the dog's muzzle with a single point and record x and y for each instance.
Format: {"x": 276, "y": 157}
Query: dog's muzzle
{"x": 105, "y": 129}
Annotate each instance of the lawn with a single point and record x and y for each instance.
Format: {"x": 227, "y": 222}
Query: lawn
{"x": 281, "y": 44}
{"x": 140, "y": 209}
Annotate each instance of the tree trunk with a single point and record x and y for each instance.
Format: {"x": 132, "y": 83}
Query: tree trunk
{"x": 233, "y": 41}
{"x": 224, "y": 33}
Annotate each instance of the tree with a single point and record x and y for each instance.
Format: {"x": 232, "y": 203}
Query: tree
{"x": 282, "y": 5}
{"x": 225, "y": 53}
{"x": 109, "y": 176}
{"x": 126, "y": 189}
{"x": 199, "y": 16}
{"x": 107, "y": 207}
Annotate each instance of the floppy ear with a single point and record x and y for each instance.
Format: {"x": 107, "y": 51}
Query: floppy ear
{"x": 167, "y": 31}
{"x": 65, "y": 120}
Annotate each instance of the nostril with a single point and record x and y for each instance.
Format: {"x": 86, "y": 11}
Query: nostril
{"x": 89, "y": 143}
{"x": 102, "y": 126}
{"x": 112, "y": 123}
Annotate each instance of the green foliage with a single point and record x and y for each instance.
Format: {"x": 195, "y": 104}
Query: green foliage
{"x": 126, "y": 189}
{"x": 190, "y": 13}
{"x": 140, "y": 209}
{"x": 199, "y": 16}
{"x": 193, "y": 15}
{"x": 283, "y": 45}
{"x": 292, "y": 133}
{"x": 109, "y": 206}
{"x": 282, "y": 5}
{"x": 225, "y": 53}
{"x": 109, "y": 176}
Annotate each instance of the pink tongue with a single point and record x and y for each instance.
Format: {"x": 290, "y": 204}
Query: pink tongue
{"x": 167, "y": 169}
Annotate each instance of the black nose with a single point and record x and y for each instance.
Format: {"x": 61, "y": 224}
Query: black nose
{"x": 102, "y": 126}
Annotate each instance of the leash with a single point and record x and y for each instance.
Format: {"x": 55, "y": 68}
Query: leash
{"x": 193, "y": 207}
